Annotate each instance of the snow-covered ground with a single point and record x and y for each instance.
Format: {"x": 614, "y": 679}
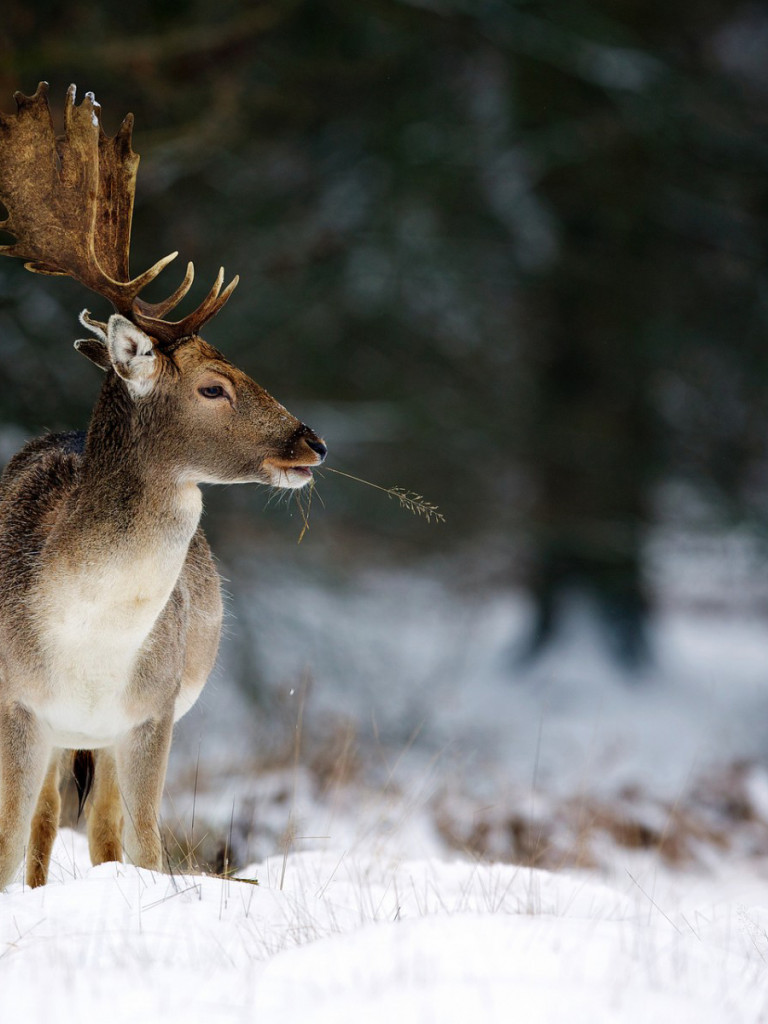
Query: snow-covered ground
{"x": 413, "y": 689}
{"x": 436, "y": 830}
{"x": 330, "y": 938}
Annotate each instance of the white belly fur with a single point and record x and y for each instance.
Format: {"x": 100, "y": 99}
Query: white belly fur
{"x": 93, "y": 623}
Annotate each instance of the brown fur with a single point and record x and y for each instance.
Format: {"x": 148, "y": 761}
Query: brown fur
{"x": 110, "y": 610}
{"x": 45, "y": 825}
{"x": 105, "y": 814}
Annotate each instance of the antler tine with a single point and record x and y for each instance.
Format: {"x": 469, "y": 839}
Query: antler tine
{"x": 70, "y": 207}
{"x": 132, "y": 288}
{"x": 190, "y": 323}
{"x": 159, "y": 309}
{"x": 174, "y": 331}
{"x": 213, "y": 293}
{"x": 23, "y": 101}
{"x": 124, "y": 294}
{"x": 224, "y": 297}
{"x": 210, "y": 305}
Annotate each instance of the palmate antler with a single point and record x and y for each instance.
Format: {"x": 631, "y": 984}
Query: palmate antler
{"x": 70, "y": 204}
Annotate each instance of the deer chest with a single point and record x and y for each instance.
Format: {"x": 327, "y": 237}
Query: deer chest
{"x": 98, "y": 629}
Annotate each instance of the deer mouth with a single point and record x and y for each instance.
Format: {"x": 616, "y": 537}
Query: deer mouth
{"x": 288, "y": 474}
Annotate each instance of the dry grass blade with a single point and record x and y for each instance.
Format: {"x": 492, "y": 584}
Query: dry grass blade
{"x": 305, "y": 511}
{"x": 409, "y": 500}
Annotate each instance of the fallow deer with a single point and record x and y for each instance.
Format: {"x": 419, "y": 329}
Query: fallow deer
{"x": 110, "y": 609}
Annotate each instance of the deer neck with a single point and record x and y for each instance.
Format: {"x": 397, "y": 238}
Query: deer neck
{"x": 130, "y": 492}
{"x": 118, "y": 545}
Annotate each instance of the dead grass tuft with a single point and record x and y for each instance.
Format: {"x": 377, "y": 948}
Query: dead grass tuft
{"x": 719, "y": 813}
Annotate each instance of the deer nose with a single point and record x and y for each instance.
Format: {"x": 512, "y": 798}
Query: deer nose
{"x": 317, "y": 446}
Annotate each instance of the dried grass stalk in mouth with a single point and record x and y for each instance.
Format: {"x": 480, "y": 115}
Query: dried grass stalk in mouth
{"x": 409, "y": 500}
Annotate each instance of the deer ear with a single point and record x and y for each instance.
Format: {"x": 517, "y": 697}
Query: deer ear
{"x": 132, "y": 355}
{"x": 94, "y": 350}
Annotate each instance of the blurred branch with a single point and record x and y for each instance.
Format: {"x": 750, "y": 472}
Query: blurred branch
{"x": 179, "y": 42}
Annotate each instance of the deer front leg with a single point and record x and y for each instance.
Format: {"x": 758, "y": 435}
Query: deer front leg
{"x": 24, "y": 756}
{"x": 45, "y": 825}
{"x": 142, "y": 758}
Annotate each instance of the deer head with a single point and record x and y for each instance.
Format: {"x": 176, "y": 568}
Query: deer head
{"x": 70, "y": 204}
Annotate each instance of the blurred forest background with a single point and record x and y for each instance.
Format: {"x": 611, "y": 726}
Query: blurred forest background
{"x": 509, "y": 255}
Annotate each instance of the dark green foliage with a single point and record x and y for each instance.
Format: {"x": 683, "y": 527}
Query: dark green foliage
{"x": 523, "y": 244}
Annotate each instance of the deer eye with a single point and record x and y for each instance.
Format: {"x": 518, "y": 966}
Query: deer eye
{"x": 212, "y": 391}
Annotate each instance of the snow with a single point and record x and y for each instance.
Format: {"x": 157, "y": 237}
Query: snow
{"x": 411, "y": 653}
{"x": 429, "y": 830}
{"x": 348, "y": 939}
